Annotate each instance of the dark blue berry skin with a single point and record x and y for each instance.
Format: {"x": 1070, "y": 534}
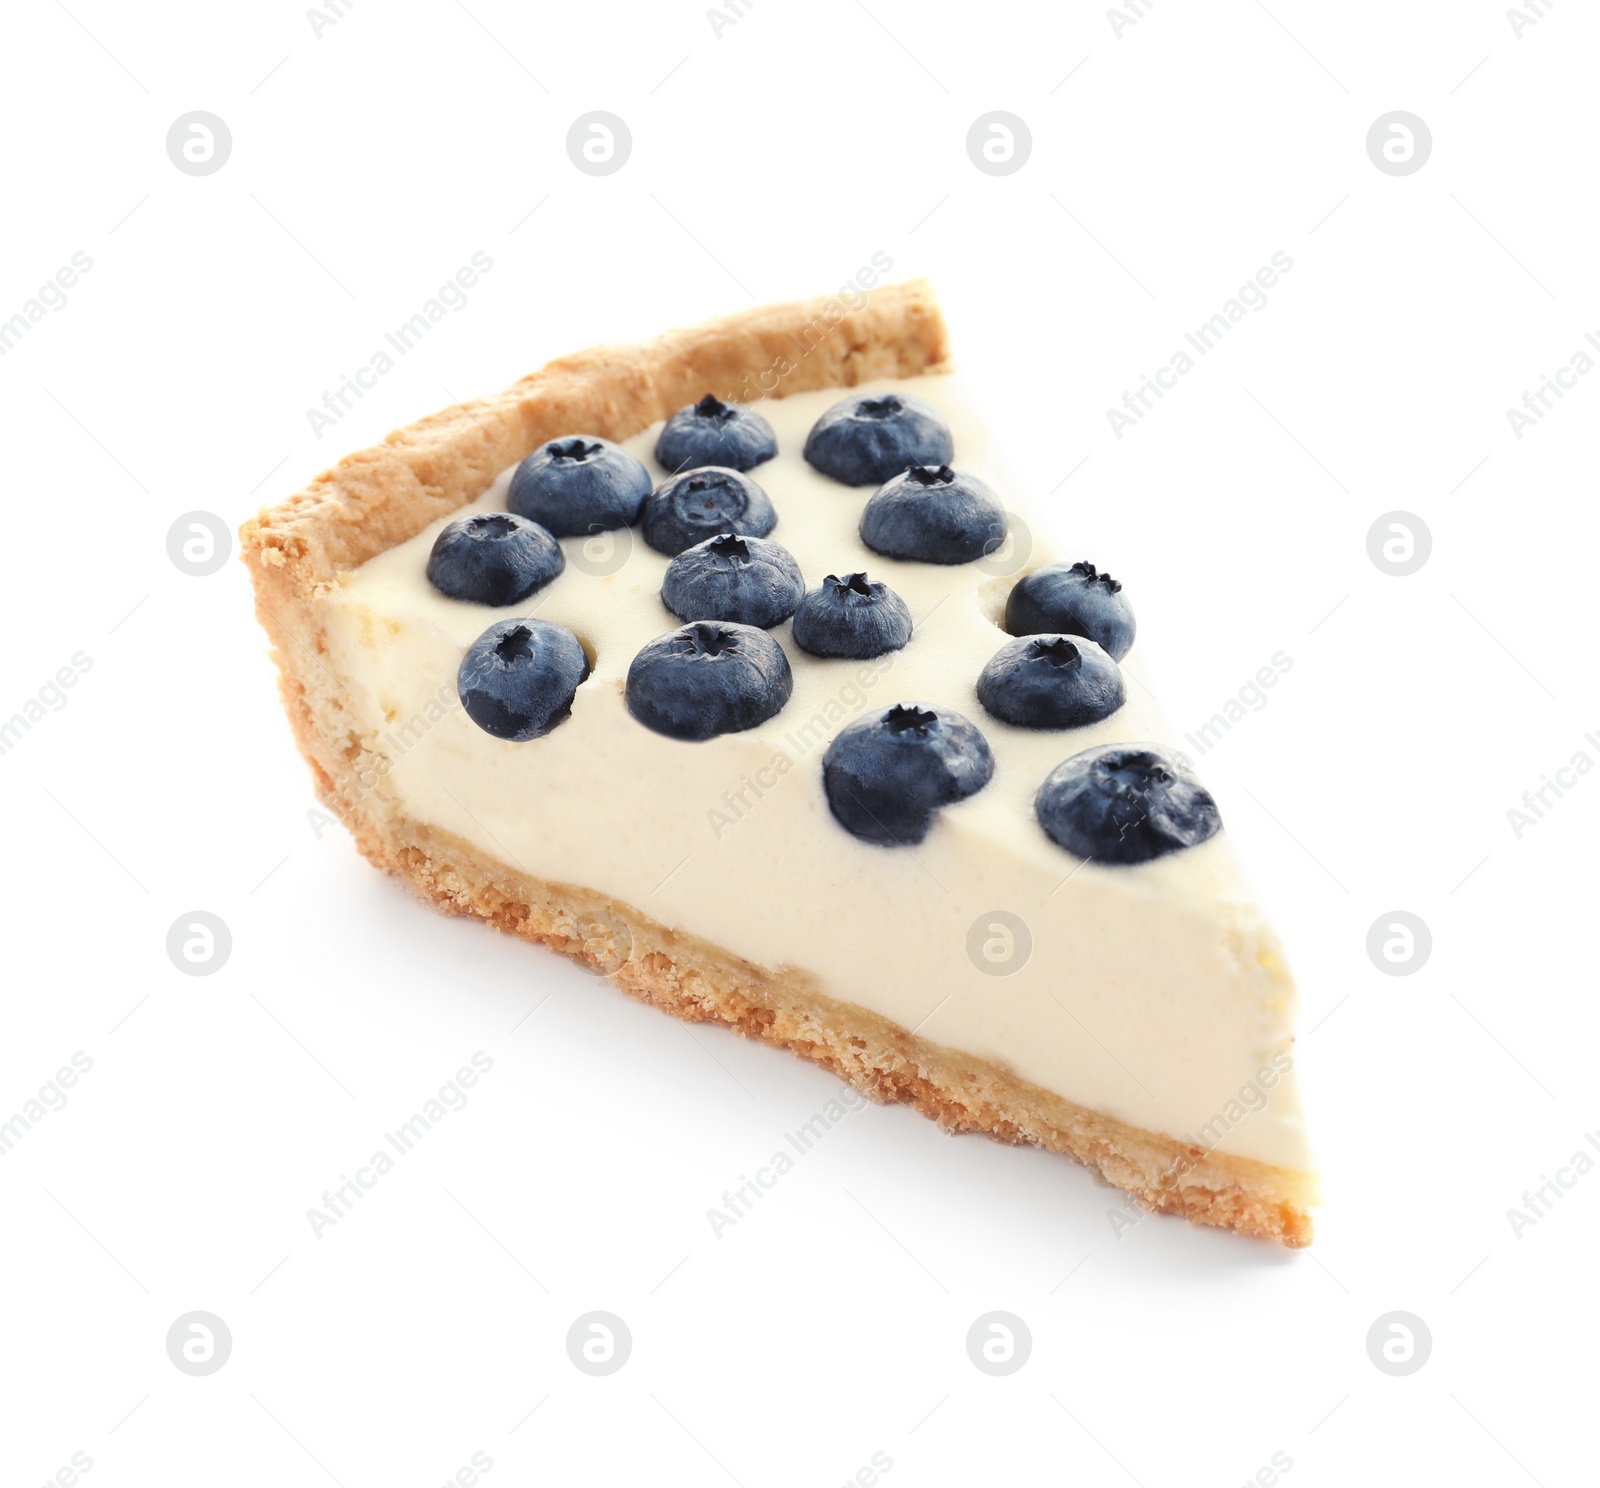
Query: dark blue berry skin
{"x": 579, "y": 484}
{"x": 750, "y": 580}
{"x": 1125, "y": 804}
{"x": 863, "y": 441}
{"x": 712, "y": 432}
{"x": 933, "y": 514}
{"x": 518, "y": 678}
{"x": 1072, "y": 599}
{"x": 887, "y": 774}
{"x": 688, "y": 508}
{"x": 493, "y": 558}
{"x": 853, "y": 618}
{"x": 1051, "y": 682}
{"x": 708, "y": 678}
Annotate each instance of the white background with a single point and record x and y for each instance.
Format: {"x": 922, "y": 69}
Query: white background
{"x": 1169, "y": 163}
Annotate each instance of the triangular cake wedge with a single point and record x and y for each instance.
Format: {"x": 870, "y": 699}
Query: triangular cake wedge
{"x": 1135, "y": 1015}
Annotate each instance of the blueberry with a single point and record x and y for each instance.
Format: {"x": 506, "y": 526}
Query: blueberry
{"x": 518, "y": 678}
{"x": 1125, "y": 804}
{"x": 747, "y": 579}
{"x": 1075, "y": 599}
{"x": 851, "y": 617}
{"x": 688, "y": 508}
{"x": 933, "y": 514}
{"x": 863, "y": 441}
{"x": 578, "y": 485}
{"x": 887, "y": 774}
{"x": 708, "y": 678}
{"x": 493, "y": 558}
{"x": 1051, "y": 682}
{"x": 712, "y": 432}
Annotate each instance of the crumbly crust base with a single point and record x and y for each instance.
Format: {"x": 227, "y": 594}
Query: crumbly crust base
{"x": 383, "y": 496}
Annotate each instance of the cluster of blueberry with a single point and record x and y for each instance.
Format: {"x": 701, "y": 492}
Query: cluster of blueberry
{"x": 885, "y": 775}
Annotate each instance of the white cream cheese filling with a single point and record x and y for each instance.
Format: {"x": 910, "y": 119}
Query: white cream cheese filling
{"x": 1155, "y": 993}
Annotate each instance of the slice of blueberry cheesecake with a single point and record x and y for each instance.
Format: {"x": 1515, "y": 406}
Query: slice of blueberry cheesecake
{"x": 784, "y": 716}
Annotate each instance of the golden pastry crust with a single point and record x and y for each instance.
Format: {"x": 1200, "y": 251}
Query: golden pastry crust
{"x": 378, "y": 498}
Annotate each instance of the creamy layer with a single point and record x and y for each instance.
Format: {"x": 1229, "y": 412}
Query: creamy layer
{"x": 1154, "y": 993}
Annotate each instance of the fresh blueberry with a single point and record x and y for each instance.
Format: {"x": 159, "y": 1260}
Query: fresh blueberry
{"x": 688, "y": 508}
{"x": 1125, "y": 804}
{"x": 1074, "y": 599}
{"x": 933, "y": 514}
{"x": 887, "y": 774}
{"x": 851, "y": 617}
{"x": 712, "y": 432}
{"x": 708, "y": 678}
{"x": 1051, "y": 682}
{"x": 493, "y": 558}
{"x": 578, "y": 485}
{"x": 747, "y": 579}
{"x": 863, "y": 441}
{"x": 518, "y": 678}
